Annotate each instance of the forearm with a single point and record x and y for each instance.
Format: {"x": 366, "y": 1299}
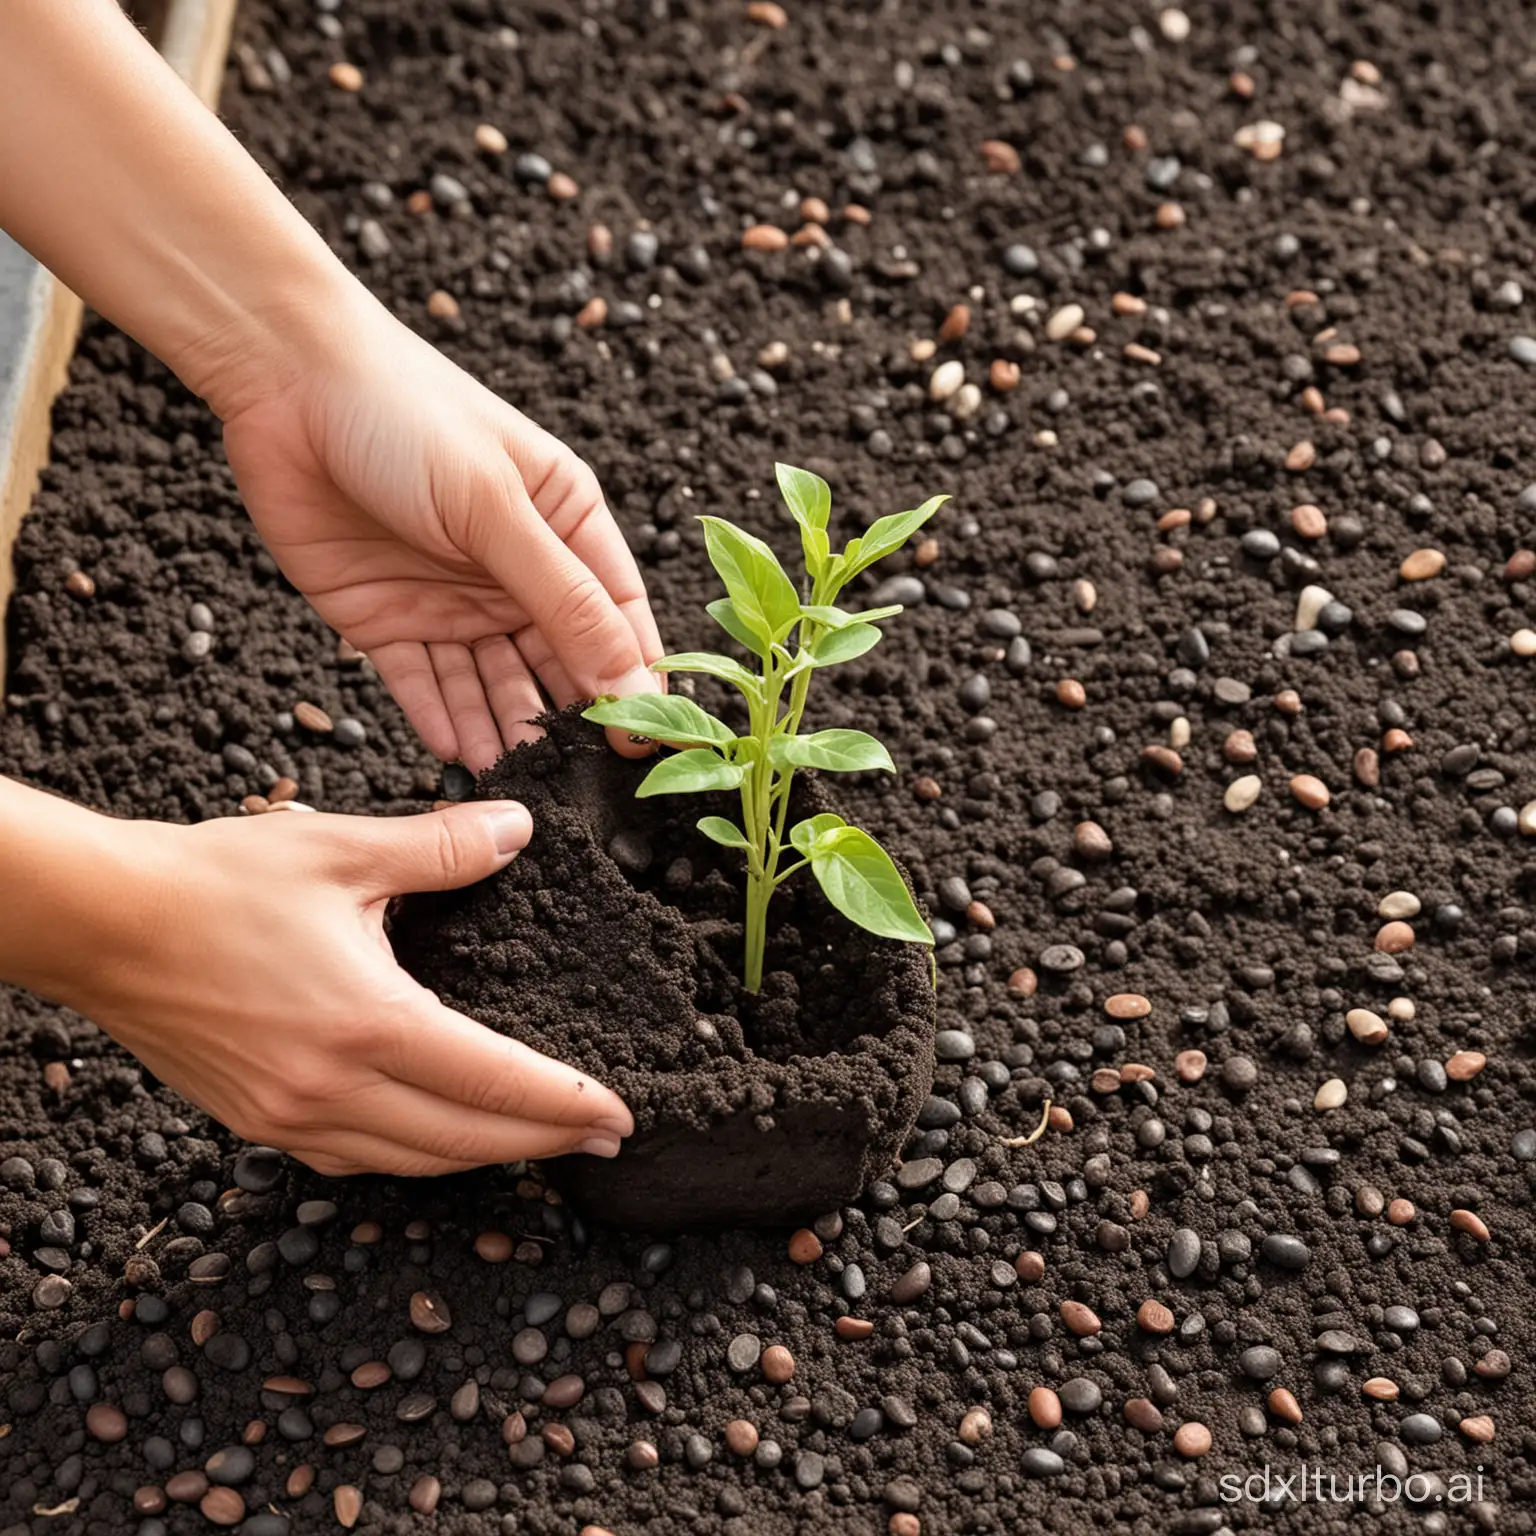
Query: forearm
{"x": 118, "y": 179}
{"x": 72, "y": 891}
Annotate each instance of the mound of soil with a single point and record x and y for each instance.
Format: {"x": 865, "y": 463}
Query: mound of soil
{"x": 614, "y": 942}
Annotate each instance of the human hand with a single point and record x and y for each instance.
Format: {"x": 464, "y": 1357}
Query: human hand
{"x": 248, "y": 968}
{"x": 465, "y": 549}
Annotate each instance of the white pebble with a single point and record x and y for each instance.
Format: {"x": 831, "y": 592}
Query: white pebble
{"x": 1045, "y": 438}
{"x": 1527, "y": 821}
{"x": 1331, "y": 1095}
{"x": 1265, "y": 131}
{"x": 967, "y": 402}
{"x": 1402, "y": 1009}
{"x": 1173, "y": 24}
{"x": 1241, "y": 793}
{"x": 1065, "y": 321}
{"x": 947, "y": 379}
{"x": 923, "y": 349}
{"x": 1523, "y": 642}
{"x": 1399, "y": 904}
{"x": 1311, "y": 603}
{"x": 1367, "y": 1027}
{"x": 1178, "y": 734}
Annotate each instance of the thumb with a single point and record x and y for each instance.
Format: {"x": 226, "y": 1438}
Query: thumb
{"x": 434, "y": 851}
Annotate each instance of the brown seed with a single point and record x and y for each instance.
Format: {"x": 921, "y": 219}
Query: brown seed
{"x": 1308, "y": 521}
{"x": 441, "y": 305}
{"x": 926, "y": 553}
{"x": 204, "y": 1325}
{"x": 592, "y": 314}
{"x": 344, "y": 1433}
{"x": 348, "y": 1503}
{"x": 300, "y": 1481}
{"x": 805, "y": 1247}
{"x": 1189, "y": 1066}
{"x": 1060, "y": 1119}
{"x": 1239, "y": 747}
{"x": 1105, "y": 1080}
{"x": 1029, "y": 1266}
{"x": 956, "y": 323}
{"x": 1192, "y": 1439}
{"x": 494, "y": 1247}
{"x": 764, "y": 237}
{"x": 926, "y": 788}
{"x": 1136, "y": 353}
{"x": 371, "y": 1374}
{"x": 778, "y": 1365}
{"x": 424, "y": 1494}
{"x": 1302, "y": 456}
{"x": 186, "y": 1487}
{"x": 1396, "y": 741}
{"x": 1004, "y": 375}
{"x": 1400, "y": 1212}
{"x": 490, "y": 140}
{"x": 1367, "y": 767}
{"x": 979, "y": 915}
{"x": 313, "y": 718}
{"x": 1470, "y": 1223}
{"x": 1341, "y": 354}
{"x": 1309, "y": 791}
{"x": 1045, "y": 1408}
{"x": 1381, "y": 1389}
{"x": 741, "y": 1436}
{"x": 1090, "y": 841}
{"x": 857, "y": 213}
{"x": 346, "y": 77}
{"x": 1240, "y": 84}
{"x": 78, "y": 584}
{"x": 854, "y": 1327}
{"x": 642, "y": 1456}
{"x": 1421, "y": 565}
{"x": 1135, "y": 137}
{"x": 1465, "y": 1065}
{"x": 1127, "y": 1005}
{"x": 1154, "y": 1317}
{"x": 514, "y": 1429}
{"x": 1080, "y": 1319}
{"x": 1521, "y": 565}
{"x": 1071, "y": 693}
{"x": 1312, "y": 400}
{"x": 1141, "y": 1203}
{"x": 1165, "y": 561}
{"x": 1142, "y": 1413}
{"x": 222, "y": 1506}
{"x": 813, "y": 210}
{"x": 1170, "y": 216}
{"x": 1394, "y": 938}
{"x": 1023, "y": 982}
{"x": 254, "y": 805}
{"x": 1174, "y": 517}
{"x": 254, "y": 1432}
{"x": 1284, "y": 1406}
{"x": 558, "y": 1438}
{"x": 149, "y": 1500}
{"x": 1128, "y": 304}
{"x": 904, "y": 1523}
{"x": 1478, "y": 1428}
{"x": 766, "y": 13}
{"x": 106, "y": 1422}
{"x": 419, "y": 202}
{"x": 811, "y": 234}
{"x": 975, "y": 1426}
{"x": 1163, "y": 760}
{"x": 562, "y": 187}
{"x": 429, "y": 1313}
{"x": 1000, "y": 157}
{"x": 56, "y": 1077}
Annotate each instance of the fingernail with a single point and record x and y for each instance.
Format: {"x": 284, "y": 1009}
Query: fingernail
{"x": 600, "y": 1146}
{"x": 511, "y": 826}
{"x": 614, "y": 1125}
{"x": 640, "y": 680}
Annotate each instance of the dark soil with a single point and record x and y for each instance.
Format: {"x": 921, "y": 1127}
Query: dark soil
{"x": 614, "y": 942}
{"x": 1402, "y": 202}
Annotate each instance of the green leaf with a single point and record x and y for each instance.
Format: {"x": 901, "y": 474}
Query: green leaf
{"x": 714, "y": 666}
{"x": 837, "y": 618}
{"x": 860, "y": 880}
{"x": 663, "y": 717}
{"x": 808, "y": 496}
{"x": 844, "y": 644}
{"x": 886, "y": 535}
{"x": 836, "y": 751}
{"x": 690, "y": 772}
{"x": 724, "y": 832}
{"x": 804, "y": 833}
{"x": 723, "y": 612}
{"x": 763, "y": 596}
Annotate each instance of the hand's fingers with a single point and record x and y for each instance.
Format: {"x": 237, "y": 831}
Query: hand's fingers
{"x": 451, "y": 1056}
{"x": 570, "y": 606}
{"x": 557, "y": 683}
{"x": 510, "y": 690}
{"x": 407, "y": 673}
{"x": 384, "y": 856}
{"x": 479, "y": 740}
{"x": 349, "y": 1153}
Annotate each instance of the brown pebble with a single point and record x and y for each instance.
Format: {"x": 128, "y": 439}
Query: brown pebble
{"x": 777, "y": 1364}
{"x": 854, "y": 1327}
{"x": 429, "y": 1313}
{"x": 1421, "y": 565}
{"x": 186, "y": 1487}
{"x": 313, "y": 718}
{"x": 562, "y": 187}
{"x": 1090, "y": 841}
{"x": 1400, "y": 1212}
{"x": 204, "y": 1325}
{"x": 1240, "y": 748}
{"x": 56, "y": 1076}
{"x": 1396, "y": 741}
{"x": 300, "y": 1481}
{"x": 149, "y": 1500}
{"x": 1367, "y": 768}
{"x": 1478, "y": 1428}
{"x": 956, "y": 323}
{"x": 1170, "y": 216}
{"x": 1283, "y": 1404}
{"x": 1309, "y": 791}
{"x": 441, "y": 305}
{"x": 1080, "y": 1319}
{"x": 424, "y": 1494}
{"x": 1023, "y": 982}
{"x": 1004, "y": 375}
{"x": 1163, "y": 760}
{"x": 768, "y": 13}
{"x": 1472, "y": 1224}
{"x": 1381, "y": 1389}
{"x": 975, "y": 1426}
{"x": 348, "y": 1504}
{"x": 904, "y": 1523}
{"x": 1143, "y": 1414}
{"x": 592, "y": 314}
{"x": 764, "y": 237}
{"x": 222, "y": 1506}
{"x": 1192, "y": 1439}
{"x": 1521, "y": 565}
{"x": 514, "y": 1428}
{"x": 1303, "y": 456}
{"x": 1465, "y": 1065}
{"x": 1308, "y": 521}
{"x": 927, "y": 789}
{"x": 346, "y": 77}
{"x": 558, "y": 1438}
{"x": 1029, "y": 1266}
{"x": 805, "y": 1247}
{"x": 1394, "y": 938}
{"x": 1369, "y": 1201}
{"x": 1071, "y": 693}
{"x": 1154, "y": 1317}
{"x": 1189, "y": 1066}
{"x": 741, "y": 1436}
{"x": 1000, "y": 157}
{"x": 1044, "y": 1408}
{"x": 926, "y": 553}
{"x": 106, "y": 1422}
{"x": 1140, "y": 1204}
{"x": 1166, "y": 561}
{"x": 1288, "y": 701}
{"x": 1127, "y": 1005}
{"x": 914, "y": 1283}
{"x": 489, "y": 139}
{"x": 78, "y": 584}
{"x": 494, "y": 1247}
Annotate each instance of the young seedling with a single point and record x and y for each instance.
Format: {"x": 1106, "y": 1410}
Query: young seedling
{"x": 789, "y": 640}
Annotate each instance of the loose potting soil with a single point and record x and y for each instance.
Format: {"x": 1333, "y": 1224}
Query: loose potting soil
{"x": 1294, "y": 362}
